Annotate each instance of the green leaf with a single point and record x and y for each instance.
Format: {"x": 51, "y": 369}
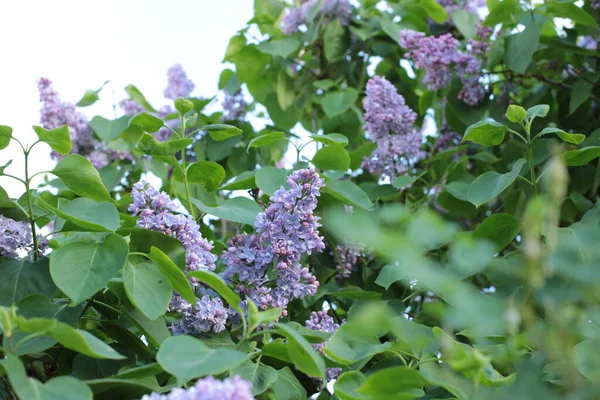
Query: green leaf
{"x": 75, "y": 339}
{"x": 353, "y": 342}
{"x": 489, "y": 185}
{"x": 256, "y": 318}
{"x": 285, "y": 90}
{"x": 282, "y": 48}
{"x": 580, "y": 92}
{"x": 169, "y": 270}
{"x": 245, "y": 180}
{"x": 520, "y": 48}
{"x": 516, "y": 114}
{"x": 302, "y": 353}
{"x": 2, "y": 168}
{"x": 142, "y": 240}
{"x": 147, "y": 122}
{"x": 348, "y": 192}
{"x": 541, "y": 110}
{"x": 5, "y": 136}
{"x": 435, "y": 11}
{"x": 402, "y": 181}
{"x": 155, "y": 331}
{"x": 148, "y": 144}
{"x": 332, "y": 158}
{"x": 469, "y": 255}
{"x": 86, "y": 213}
{"x": 137, "y": 96}
{"x": 20, "y": 278}
{"x": 337, "y": 103}
{"x": 58, "y": 139}
{"x": 347, "y": 384}
{"x": 577, "y": 158}
{"x": 236, "y": 43}
{"x": 22, "y": 385}
{"x": 500, "y": 229}
{"x": 389, "y": 383}
{"x": 81, "y": 269}
{"x": 270, "y": 179}
{"x": 146, "y": 288}
{"x": 487, "y": 133}
{"x": 574, "y": 138}
{"x": 107, "y": 129}
{"x": 218, "y": 285}
{"x": 465, "y": 22}
{"x": 90, "y": 97}
{"x": 586, "y": 360}
{"x": 80, "y": 176}
{"x": 236, "y": 209}
{"x": 331, "y": 139}
{"x": 570, "y": 10}
{"x": 208, "y": 173}
{"x": 261, "y": 376}
{"x": 287, "y": 386}
{"x": 334, "y": 44}
{"x": 221, "y": 132}
{"x": 266, "y": 139}
{"x": 187, "y": 358}
{"x": 183, "y": 105}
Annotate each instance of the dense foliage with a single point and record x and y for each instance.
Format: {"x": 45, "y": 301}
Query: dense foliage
{"x": 395, "y": 200}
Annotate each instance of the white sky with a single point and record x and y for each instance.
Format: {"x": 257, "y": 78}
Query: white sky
{"x": 80, "y": 44}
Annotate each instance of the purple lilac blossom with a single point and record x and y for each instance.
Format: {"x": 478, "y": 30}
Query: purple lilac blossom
{"x": 471, "y": 6}
{"x": 234, "y": 107}
{"x": 595, "y": 4}
{"x": 54, "y": 113}
{"x": 442, "y": 59}
{"x": 155, "y": 211}
{"x": 588, "y": 42}
{"x": 14, "y": 235}
{"x": 321, "y": 321}
{"x": 130, "y": 107}
{"x": 209, "y": 388}
{"x": 178, "y": 84}
{"x": 285, "y": 232}
{"x": 389, "y": 122}
{"x": 298, "y": 15}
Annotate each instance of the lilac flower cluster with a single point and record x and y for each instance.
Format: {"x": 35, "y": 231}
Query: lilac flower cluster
{"x": 471, "y": 6}
{"x": 130, "y": 107}
{"x": 179, "y": 85}
{"x": 321, "y": 321}
{"x": 390, "y": 123}
{"x": 442, "y": 59}
{"x": 15, "y": 235}
{"x": 55, "y": 113}
{"x": 155, "y": 211}
{"x": 595, "y": 4}
{"x": 285, "y": 232}
{"x": 234, "y": 107}
{"x": 297, "y": 16}
{"x": 209, "y": 388}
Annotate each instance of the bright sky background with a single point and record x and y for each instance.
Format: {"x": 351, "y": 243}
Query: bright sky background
{"x": 80, "y": 44}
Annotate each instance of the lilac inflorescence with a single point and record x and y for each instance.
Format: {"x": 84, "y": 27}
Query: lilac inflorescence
{"x": 179, "y": 85}
{"x": 155, "y": 212}
{"x": 442, "y": 59}
{"x": 299, "y": 15}
{"x": 389, "y": 122}
{"x": 321, "y": 321}
{"x": 285, "y": 231}
{"x": 14, "y": 235}
{"x": 209, "y": 388}
{"x": 234, "y": 107}
{"x": 595, "y": 4}
{"x": 471, "y": 6}
{"x": 130, "y": 107}
{"x": 55, "y": 113}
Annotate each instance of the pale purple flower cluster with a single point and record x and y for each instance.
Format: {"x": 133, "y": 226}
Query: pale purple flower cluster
{"x": 209, "y": 388}
{"x": 347, "y": 260}
{"x": 179, "y": 85}
{"x": 588, "y": 42}
{"x": 442, "y": 59}
{"x": 234, "y": 107}
{"x": 321, "y": 321}
{"x": 285, "y": 231}
{"x": 54, "y": 114}
{"x": 14, "y": 235}
{"x": 389, "y": 122}
{"x": 471, "y": 6}
{"x": 595, "y": 4}
{"x": 297, "y": 16}
{"x": 130, "y": 107}
{"x": 155, "y": 211}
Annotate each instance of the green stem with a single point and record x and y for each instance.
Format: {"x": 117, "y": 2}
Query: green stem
{"x": 184, "y": 173}
{"x": 532, "y": 170}
{"x": 14, "y": 177}
{"x": 30, "y": 206}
